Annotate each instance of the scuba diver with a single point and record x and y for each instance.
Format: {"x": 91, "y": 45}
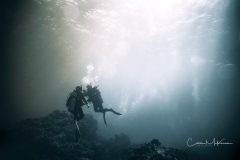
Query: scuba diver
{"x": 74, "y": 104}
{"x": 94, "y": 96}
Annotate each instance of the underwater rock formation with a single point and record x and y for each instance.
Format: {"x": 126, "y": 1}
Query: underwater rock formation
{"x": 52, "y": 137}
{"x": 154, "y": 151}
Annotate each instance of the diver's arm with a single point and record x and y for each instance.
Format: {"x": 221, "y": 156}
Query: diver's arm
{"x": 89, "y": 95}
{"x": 84, "y": 100}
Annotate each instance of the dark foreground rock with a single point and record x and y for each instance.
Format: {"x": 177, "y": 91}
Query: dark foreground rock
{"x": 53, "y": 137}
{"x": 154, "y": 151}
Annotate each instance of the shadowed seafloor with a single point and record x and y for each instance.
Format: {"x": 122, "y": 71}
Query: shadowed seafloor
{"x": 52, "y": 137}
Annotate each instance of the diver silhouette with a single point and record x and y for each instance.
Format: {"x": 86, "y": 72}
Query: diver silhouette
{"x": 74, "y": 104}
{"x": 94, "y": 96}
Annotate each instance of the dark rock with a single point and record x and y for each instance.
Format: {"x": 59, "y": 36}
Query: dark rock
{"x": 154, "y": 151}
{"x": 53, "y": 137}
{"x": 156, "y": 142}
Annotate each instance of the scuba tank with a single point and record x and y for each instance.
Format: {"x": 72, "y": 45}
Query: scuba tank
{"x": 96, "y": 95}
{"x": 71, "y": 101}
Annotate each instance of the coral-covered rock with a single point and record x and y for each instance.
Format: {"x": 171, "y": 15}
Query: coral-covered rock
{"x": 154, "y": 151}
{"x": 53, "y": 137}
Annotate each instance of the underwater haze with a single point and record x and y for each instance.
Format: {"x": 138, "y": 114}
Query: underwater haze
{"x": 171, "y": 67}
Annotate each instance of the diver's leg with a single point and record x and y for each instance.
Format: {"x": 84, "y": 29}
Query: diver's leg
{"x": 77, "y": 132}
{"x": 76, "y": 129}
{"x": 80, "y": 113}
{"x": 103, "y": 109}
{"x": 75, "y": 116}
{"x": 75, "y": 113}
{"x": 96, "y": 108}
{"x": 106, "y": 110}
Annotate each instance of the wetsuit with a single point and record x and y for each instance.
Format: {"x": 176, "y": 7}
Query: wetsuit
{"x": 94, "y": 96}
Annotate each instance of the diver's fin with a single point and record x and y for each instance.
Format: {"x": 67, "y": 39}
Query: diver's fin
{"x": 78, "y": 131}
{"x": 77, "y": 136}
{"x": 104, "y": 118}
{"x": 115, "y": 112}
{"x": 106, "y": 110}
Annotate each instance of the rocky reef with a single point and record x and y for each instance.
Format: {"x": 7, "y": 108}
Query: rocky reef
{"x": 53, "y": 137}
{"x": 154, "y": 151}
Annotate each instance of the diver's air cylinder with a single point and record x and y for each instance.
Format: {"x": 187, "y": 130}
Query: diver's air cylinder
{"x": 72, "y": 102}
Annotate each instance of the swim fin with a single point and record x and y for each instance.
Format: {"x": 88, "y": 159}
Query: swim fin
{"x": 106, "y": 110}
{"x": 104, "y": 117}
{"x": 77, "y": 136}
{"x": 115, "y": 112}
{"x": 77, "y": 132}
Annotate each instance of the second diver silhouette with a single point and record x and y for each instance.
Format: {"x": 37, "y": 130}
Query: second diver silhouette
{"x": 94, "y": 96}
